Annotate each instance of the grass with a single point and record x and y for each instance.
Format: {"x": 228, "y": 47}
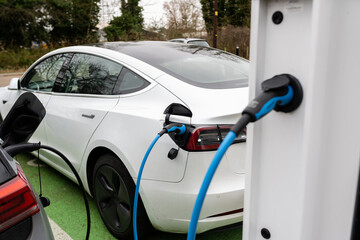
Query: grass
{"x": 12, "y": 70}
{"x": 19, "y": 59}
{"x": 68, "y": 211}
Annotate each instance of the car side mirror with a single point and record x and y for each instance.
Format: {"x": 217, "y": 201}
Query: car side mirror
{"x": 22, "y": 120}
{"x": 14, "y": 84}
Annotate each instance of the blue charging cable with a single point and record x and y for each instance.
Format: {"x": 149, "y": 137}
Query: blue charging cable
{"x": 174, "y": 127}
{"x": 278, "y": 95}
{"x": 228, "y": 140}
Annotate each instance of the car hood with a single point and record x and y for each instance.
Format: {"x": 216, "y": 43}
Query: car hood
{"x": 209, "y": 106}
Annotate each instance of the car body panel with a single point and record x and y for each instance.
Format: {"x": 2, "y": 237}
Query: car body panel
{"x": 202, "y": 101}
{"x": 172, "y": 212}
{"x": 131, "y": 145}
{"x": 8, "y": 98}
{"x": 66, "y": 113}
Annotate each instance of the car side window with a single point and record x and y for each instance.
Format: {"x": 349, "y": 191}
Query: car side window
{"x": 130, "y": 82}
{"x": 43, "y": 75}
{"x": 89, "y": 74}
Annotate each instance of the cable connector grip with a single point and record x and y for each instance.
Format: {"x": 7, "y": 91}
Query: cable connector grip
{"x": 282, "y": 93}
{"x": 177, "y": 128}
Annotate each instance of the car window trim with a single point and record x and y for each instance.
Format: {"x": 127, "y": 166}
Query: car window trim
{"x": 69, "y": 56}
{"x": 84, "y": 95}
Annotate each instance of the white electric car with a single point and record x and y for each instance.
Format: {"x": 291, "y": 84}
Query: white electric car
{"x": 106, "y": 103}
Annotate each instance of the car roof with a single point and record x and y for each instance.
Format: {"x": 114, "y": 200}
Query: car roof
{"x": 130, "y": 48}
{"x": 143, "y": 51}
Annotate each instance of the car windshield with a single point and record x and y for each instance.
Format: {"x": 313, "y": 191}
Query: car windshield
{"x": 199, "y": 66}
{"x": 199, "y": 43}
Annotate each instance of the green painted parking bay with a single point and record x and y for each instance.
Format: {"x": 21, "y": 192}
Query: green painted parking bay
{"x": 67, "y": 207}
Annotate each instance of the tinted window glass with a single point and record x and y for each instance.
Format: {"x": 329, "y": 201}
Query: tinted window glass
{"x": 90, "y": 74}
{"x": 130, "y": 82}
{"x": 43, "y": 75}
{"x": 199, "y": 66}
{"x": 211, "y": 71}
{"x": 199, "y": 43}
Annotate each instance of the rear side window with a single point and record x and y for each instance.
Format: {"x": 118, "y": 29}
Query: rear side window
{"x": 43, "y": 75}
{"x": 88, "y": 74}
{"x": 130, "y": 82}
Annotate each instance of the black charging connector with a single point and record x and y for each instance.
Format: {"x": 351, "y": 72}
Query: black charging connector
{"x": 295, "y": 84}
{"x": 177, "y": 128}
{"x": 283, "y": 93}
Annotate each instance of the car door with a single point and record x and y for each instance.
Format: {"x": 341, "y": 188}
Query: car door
{"x": 39, "y": 80}
{"x": 78, "y": 105}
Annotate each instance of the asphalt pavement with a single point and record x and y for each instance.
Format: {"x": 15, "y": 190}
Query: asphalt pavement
{"x": 6, "y": 77}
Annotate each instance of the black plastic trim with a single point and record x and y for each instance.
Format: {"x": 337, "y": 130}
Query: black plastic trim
{"x": 224, "y": 228}
{"x": 298, "y": 95}
{"x": 355, "y": 233}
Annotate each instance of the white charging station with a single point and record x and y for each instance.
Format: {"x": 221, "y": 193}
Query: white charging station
{"x": 303, "y": 166}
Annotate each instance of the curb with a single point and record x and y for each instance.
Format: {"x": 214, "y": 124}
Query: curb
{"x": 59, "y": 234}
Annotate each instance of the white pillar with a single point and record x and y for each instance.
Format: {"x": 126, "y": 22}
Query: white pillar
{"x": 303, "y": 167}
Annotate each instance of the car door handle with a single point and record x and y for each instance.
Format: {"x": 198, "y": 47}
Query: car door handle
{"x": 4, "y": 101}
{"x": 88, "y": 116}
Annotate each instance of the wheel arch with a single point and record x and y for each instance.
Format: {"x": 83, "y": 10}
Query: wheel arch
{"x": 94, "y": 155}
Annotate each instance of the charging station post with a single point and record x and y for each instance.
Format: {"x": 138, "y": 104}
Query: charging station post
{"x": 303, "y": 167}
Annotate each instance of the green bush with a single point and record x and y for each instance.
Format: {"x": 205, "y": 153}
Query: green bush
{"x": 12, "y": 60}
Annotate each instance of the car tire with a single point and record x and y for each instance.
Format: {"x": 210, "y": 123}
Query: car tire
{"x": 113, "y": 190}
